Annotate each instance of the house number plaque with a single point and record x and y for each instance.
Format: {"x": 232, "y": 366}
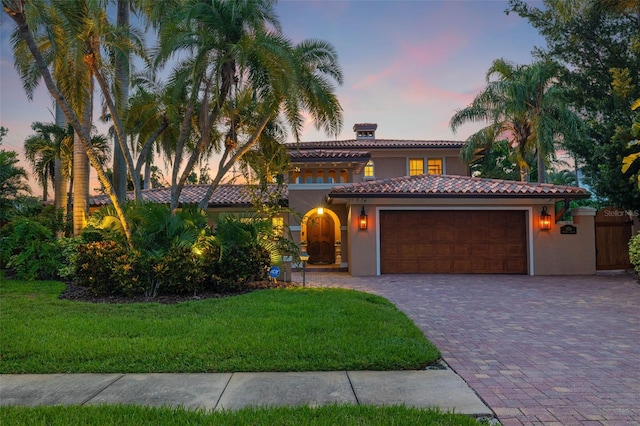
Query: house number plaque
{"x": 568, "y": 229}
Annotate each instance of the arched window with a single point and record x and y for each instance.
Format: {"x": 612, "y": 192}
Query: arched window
{"x": 320, "y": 176}
{"x": 344, "y": 176}
{"x": 296, "y": 176}
{"x": 369, "y": 170}
{"x": 332, "y": 176}
{"x": 308, "y": 176}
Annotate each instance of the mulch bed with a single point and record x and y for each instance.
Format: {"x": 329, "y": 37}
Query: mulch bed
{"x": 81, "y": 294}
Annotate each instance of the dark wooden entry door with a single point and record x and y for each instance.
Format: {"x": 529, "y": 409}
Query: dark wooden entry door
{"x": 320, "y": 239}
{"x": 613, "y": 232}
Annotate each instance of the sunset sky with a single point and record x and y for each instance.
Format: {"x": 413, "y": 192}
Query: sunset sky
{"x": 408, "y": 65}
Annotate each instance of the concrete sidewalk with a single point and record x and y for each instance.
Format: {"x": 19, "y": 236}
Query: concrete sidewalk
{"x": 230, "y": 391}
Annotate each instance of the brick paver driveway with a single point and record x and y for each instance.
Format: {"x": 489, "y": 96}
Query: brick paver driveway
{"x": 537, "y": 350}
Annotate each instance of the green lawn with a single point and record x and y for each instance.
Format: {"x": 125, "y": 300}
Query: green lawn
{"x": 269, "y": 330}
{"x": 346, "y": 415}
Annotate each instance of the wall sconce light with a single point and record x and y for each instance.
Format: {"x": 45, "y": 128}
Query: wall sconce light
{"x": 363, "y": 220}
{"x": 545, "y": 219}
{"x": 320, "y": 211}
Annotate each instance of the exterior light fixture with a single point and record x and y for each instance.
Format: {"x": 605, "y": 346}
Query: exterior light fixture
{"x": 545, "y": 220}
{"x": 363, "y": 220}
{"x": 304, "y": 257}
{"x": 320, "y": 211}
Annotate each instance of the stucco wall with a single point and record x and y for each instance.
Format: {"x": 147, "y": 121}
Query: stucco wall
{"x": 362, "y": 253}
{"x": 566, "y": 254}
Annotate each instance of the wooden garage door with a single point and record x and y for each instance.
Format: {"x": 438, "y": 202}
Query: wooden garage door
{"x": 453, "y": 242}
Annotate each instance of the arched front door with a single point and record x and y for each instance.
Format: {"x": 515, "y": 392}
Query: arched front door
{"x": 320, "y": 239}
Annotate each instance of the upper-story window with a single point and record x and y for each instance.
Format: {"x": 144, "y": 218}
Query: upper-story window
{"x": 369, "y": 170}
{"x": 344, "y": 176}
{"x": 434, "y": 166}
{"x": 331, "y": 178}
{"x": 416, "y": 166}
{"x": 308, "y": 176}
{"x": 320, "y": 176}
{"x": 296, "y": 176}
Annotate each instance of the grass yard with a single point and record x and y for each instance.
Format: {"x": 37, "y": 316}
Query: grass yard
{"x": 269, "y": 330}
{"x": 356, "y": 415}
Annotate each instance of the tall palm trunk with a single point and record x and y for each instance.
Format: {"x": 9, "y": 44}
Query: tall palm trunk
{"x": 122, "y": 94}
{"x": 542, "y": 169}
{"x": 81, "y": 170}
{"x": 147, "y": 173}
{"x": 60, "y": 193}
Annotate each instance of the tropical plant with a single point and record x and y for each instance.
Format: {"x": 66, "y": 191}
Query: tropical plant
{"x": 68, "y": 35}
{"x": 12, "y": 179}
{"x": 232, "y": 63}
{"x": 631, "y": 162}
{"x": 598, "y": 42}
{"x": 48, "y": 144}
{"x": 525, "y": 106}
{"x": 30, "y": 250}
{"x": 634, "y": 252}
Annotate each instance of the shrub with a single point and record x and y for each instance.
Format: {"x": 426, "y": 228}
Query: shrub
{"x": 69, "y": 255}
{"x": 634, "y": 252}
{"x": 106, "y": 267}
{"x": 241, "y": 265}
{"x": 31, "y": 250}
{"x": 179, "y": 271}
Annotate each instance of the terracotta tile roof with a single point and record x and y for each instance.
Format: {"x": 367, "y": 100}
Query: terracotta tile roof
{"x": 329, "y": 154}
{"x": 227, "y": 195}
{"x": 375, "y": 144}
{"x": 443, "y": 186}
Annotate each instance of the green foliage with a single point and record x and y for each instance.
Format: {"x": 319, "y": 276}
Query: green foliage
{"x": 31, "y": 251}
{"x": 240, "y": 265}
{"x": 12, "y": 180}
{"x": 634, "y": 252}
{"x": 524, "y": 104}
{"x": 631, "y": 162}
{"x": 107, "y": 267}
{"x": 172, "y": 254}
{"x": 181, "y": 271}
{"x": 68, "y": 248}
{"x": 599, "y": 49}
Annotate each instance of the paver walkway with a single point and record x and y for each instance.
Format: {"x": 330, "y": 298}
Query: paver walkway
{"x": 537, "y": 350}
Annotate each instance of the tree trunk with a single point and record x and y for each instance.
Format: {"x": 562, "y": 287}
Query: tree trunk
{"x": 121, "y": 96}
{"x": 81, "y": 171}
{"x": 542, "y": 168}
{"x": 147, "y": 174}
{"x": 60, "y": 193}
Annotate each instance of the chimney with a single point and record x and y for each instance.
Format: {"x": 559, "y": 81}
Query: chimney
{"x": 365, "y": 130}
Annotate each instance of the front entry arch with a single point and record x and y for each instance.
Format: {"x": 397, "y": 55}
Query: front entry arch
{"x": 321, "y": 232}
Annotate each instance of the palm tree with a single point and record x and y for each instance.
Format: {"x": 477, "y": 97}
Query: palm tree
{"x": 67, "y": 35}
{"x": 50, "y": 143}
{"x": 231, "y": 53}
{"x": 525, "y": 106}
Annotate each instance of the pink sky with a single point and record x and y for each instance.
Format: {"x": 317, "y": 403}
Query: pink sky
{"x": 408, "y": 65}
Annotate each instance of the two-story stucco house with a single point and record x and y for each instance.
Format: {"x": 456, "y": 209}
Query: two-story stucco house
{"x": 384, "y": 206}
